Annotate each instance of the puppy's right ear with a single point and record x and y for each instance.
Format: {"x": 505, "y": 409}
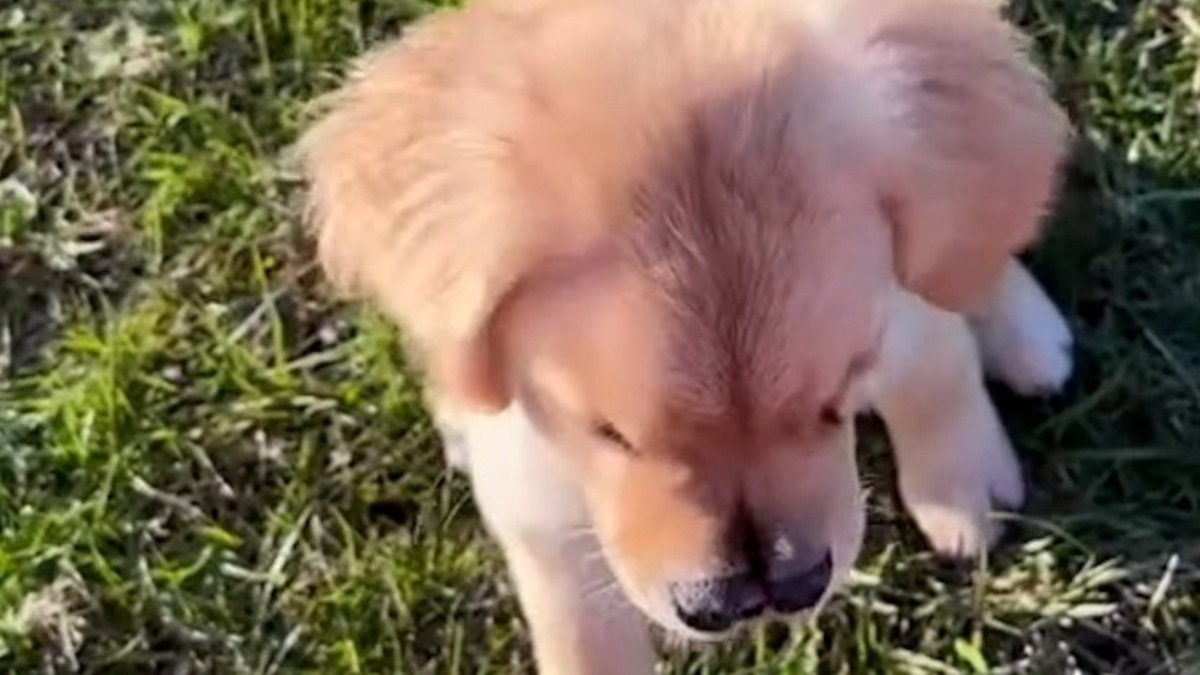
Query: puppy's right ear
{"x": 972, "y": 142}
{"x": 409, "y": 213}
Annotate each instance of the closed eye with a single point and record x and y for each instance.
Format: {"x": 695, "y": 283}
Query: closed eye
{"x": 605, "y": 431}
{"x": 831, "y": 416}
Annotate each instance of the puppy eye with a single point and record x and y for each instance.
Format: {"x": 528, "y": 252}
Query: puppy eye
{"x": 831, "y": 416}
{"x": 605, "y": 431}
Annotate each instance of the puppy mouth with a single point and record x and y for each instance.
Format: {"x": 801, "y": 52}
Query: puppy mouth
{"x": 719, "y": 609}
{"x": 715, "y": 604}
{"x": 677, "y": 634}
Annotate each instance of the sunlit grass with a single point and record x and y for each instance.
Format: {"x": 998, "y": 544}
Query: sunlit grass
{"x": 206, "y": 465}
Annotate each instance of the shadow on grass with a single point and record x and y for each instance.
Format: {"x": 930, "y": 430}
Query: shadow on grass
{"x": 1113, "y": 462}
{"x": 1101, "y": 572}
{"x": 237, "y": 476}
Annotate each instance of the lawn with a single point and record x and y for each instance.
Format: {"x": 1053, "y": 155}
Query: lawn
{"x": 208, "y": 465}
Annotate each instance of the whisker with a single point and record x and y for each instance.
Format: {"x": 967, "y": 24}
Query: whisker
{"x": 601, "y": 589}
{"x": 579, "y": 532}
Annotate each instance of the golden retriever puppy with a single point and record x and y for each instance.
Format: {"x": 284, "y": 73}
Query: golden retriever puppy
{"x": 654, "y": 256}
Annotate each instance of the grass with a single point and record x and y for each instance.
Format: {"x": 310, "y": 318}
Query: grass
{"x": 208, "y": 466}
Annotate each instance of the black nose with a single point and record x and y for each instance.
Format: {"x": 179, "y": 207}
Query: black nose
{"x": 715, "y": 605}
{"x": 798, "y": 591}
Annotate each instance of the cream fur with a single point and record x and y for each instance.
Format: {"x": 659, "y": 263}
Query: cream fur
{"x": 650, "y": 253}
{"x": 955, "y": 462}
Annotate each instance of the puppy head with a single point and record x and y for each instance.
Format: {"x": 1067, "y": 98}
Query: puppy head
{"x": 669, "y": 231}
{"x": 714, "y": 451}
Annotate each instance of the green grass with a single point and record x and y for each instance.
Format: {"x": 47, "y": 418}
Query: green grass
{"x": 208, "y": 466}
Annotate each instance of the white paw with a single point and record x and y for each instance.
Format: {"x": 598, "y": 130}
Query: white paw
{"x": 956, "y": 533}
{"x": 1024, "y": 340}
{"x": 953, "y": 501}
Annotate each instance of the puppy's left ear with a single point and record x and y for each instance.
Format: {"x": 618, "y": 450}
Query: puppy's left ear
{"x": 409, "y": 206}
{"x": 972, "y": 144}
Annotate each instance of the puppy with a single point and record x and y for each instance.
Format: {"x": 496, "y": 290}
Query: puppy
{"x": 654, "y": 256}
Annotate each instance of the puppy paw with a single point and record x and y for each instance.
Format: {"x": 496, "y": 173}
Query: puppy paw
{"x": 953, "y": 501}
{"x": 956, "y": 532}
{"x": 1032, "y": 357}
{"x": 1024, "y": 340}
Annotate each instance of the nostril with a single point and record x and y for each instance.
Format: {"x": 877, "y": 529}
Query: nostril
{"x": 715, "y": 605}
{"x": 801, "y": 590}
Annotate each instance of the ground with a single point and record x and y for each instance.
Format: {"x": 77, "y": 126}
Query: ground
{"x": 209, "y": 466}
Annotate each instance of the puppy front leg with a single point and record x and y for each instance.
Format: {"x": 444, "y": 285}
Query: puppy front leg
{"x": 1023, "y": 338}
{"x": 954, "y": 459}
{"x": 580, "y": 621}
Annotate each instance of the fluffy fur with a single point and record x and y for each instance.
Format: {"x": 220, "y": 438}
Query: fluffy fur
{"x": 654, "y": 254}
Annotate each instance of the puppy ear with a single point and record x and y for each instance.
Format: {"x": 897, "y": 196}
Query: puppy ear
{"x": 973, "y": 144}
{"x": 408, "y": 212}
